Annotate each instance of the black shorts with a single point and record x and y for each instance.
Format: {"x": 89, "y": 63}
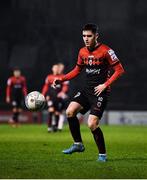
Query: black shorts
{"x": 56, "y": 103}
{"x": 96, "y": 104}
{"x": 17, "y": 102}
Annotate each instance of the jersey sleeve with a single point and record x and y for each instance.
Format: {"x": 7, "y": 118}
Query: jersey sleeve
{"x": 76, "y": 70}
{"x": 116, "y": 66}
{"x": 111, "y": 57}
{"x": 65, "y": 87}
{"x": 46, "y": 86}
{"x": 9, "y": 87}
{"x": 118, "y": 71}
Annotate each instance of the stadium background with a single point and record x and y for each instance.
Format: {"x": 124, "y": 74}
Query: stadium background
{"x": 35, "y": 34}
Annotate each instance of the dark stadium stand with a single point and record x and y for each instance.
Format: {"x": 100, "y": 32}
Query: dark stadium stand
{"x": 33, "y": 37}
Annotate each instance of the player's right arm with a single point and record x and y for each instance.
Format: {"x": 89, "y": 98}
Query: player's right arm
{"x": 8, "y": 90}
{"x": 46, "y": 86}
{"x": 73, "y": 73}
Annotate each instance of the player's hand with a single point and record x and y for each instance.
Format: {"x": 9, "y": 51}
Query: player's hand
{"x": 56, "y": 82}
{"x": 8, "y": 99}
{"x": 99, "y": 89}
{"x": 47, "y": 98}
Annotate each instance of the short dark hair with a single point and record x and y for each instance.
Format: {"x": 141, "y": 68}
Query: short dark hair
{"x": 16, "y": 69}
{"x": 90, "y": 27}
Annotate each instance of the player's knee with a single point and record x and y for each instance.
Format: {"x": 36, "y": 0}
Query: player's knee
{"x": 93, "y": 124}
{"x": 70, "y": 113}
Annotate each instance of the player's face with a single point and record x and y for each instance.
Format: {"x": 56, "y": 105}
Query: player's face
{"x": 17, "y": 73}
{"x": 89, "y": 38}
{"x": 61, "y": 68}
{"x": 55, "y": 69}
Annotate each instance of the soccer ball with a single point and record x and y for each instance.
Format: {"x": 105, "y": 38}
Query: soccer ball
{"x": 35, "y": 101}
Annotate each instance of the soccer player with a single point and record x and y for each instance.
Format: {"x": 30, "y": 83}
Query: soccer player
{"x": 15, "y": 93}
{"x": 64, "y": 96}
{"x": 97, "y": 59}
{"x": 53, "y": 97}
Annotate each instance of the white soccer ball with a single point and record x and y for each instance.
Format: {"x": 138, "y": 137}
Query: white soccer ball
{"x": 35, "y": 101}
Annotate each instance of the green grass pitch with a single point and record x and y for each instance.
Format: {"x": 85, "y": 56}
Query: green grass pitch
{"x": 30, "y": 152}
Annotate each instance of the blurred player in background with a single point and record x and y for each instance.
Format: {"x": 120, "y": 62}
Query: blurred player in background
{"x": 64, "y": 96}
{"x": 15, "y": 94}
{"x": 54, "y": 97}
{"x": 97, "y": 59}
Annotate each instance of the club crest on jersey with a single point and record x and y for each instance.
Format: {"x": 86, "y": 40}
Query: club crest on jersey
{"x": 90, "y": 60}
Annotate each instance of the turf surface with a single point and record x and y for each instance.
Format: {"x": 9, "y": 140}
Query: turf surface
{"x": 30, "y": 152}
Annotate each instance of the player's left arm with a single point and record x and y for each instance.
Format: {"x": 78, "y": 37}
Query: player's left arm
{"x": 73, "y": 73}
{"x": 118, "y": 71}
{"x": 24, "y": 88}
{"x": 46, "y": 86}
{"x": 8, "y": 90}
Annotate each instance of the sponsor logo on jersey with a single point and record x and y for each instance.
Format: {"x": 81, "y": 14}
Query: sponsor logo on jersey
{"x": 92, "y": 71}
{"x": 17, "y": 86}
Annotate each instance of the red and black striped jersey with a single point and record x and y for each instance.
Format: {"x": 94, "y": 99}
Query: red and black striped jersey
{"x": 16, "y": 86}
{"x": 49, "y": 90}
{"x": 97, "y": 64}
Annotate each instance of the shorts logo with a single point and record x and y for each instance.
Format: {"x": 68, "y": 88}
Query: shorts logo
{"x": 77, "y": 95}
{"x": 14, "y": 103}
{"x": 99, "y": 104}
{"x": 100, "y": 99}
